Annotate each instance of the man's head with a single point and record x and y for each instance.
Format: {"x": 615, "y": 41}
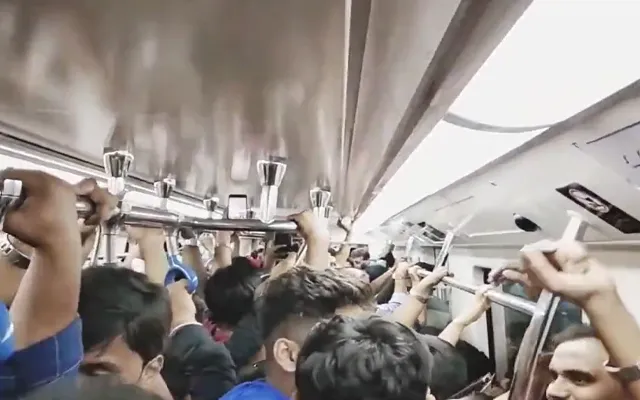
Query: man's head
{"x": 294, "y": 302}
{"x": 371, "y": 358}
{"x": 359, "y": 256}
{"x": 228, "y": 293}
{"x": 578, "y": 369}
{"x": 125, "y": 323}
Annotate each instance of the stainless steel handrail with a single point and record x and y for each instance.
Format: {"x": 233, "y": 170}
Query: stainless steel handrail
{"x": 494, "y": 295}
{"x": 160, "y": 218}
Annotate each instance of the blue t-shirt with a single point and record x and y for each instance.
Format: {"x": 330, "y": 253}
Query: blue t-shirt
{"x": 256, "y": 390}
{"x": 42, "y": 363}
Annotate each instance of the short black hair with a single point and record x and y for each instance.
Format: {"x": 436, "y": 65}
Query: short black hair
{"x": 308, "y": 293}
{"x": 572, "y": 333}
{"x": 101, "y": 387}
{"x": 228, "y": 293}
{"x": 121, "y": 302}
{"x": 372, "y": 358}
{"x": 449, "y": 374}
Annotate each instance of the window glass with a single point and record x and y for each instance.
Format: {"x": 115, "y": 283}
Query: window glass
{"x": 439, "y": 306}
{"x": 516, "y": 323}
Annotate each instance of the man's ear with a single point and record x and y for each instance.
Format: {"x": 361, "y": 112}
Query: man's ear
{"x": 285, "y": 352}
{"x": 154, "y": 366}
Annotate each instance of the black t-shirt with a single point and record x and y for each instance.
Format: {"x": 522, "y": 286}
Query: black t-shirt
{"x": 195, "y": 365}
{"x": 449, "y": 372}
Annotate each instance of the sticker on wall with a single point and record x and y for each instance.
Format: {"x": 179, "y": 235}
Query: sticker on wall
{"x": 600, "y": 207}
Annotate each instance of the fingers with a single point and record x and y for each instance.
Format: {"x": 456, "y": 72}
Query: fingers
{"x": 106, "y": 203}
{"x": 537, "y": 263}
{"x": 481, "y": 296}
{"x": 178, "y": 285}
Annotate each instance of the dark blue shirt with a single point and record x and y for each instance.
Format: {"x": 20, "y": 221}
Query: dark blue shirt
{"x": 256, "y": 390}
{"x": 44, "y": 362}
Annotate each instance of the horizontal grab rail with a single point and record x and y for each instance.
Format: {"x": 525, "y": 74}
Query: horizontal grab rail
{"x": 12, "y": 195}
{"x": 156, "y": 217}
{"x": 496, "y": 296}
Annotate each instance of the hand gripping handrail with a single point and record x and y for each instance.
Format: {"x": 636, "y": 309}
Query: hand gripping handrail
{"x": 151, "y": 217}
{"x": 524, "y": 386}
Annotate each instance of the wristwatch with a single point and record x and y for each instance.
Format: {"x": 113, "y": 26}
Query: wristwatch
{"x": 626, "y": 375}
{"x": 10, "y": 253}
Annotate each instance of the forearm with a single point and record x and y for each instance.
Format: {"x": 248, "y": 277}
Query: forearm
{"x": 191, "y": 257}
{"x": 408, "y": 312}
{"x": 223, "y": 255}
{"x": 452, "y": 332}
{"x": 155, "y": 259}
{"x": 317, "y": 255}
{"x": 47, "y": 298}
{"x": 619, "y": 332}
{"x": 343, "y": 254}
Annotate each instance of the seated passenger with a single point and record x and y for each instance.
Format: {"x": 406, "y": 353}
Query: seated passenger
{"x": 362, "y": 359}
{"x": 290, "y": 306}
{"x": 46, "y": 329}
{"x": 578, "y": 368}
{"x": 228, "y": 294}
{"x": 125, "y": 324}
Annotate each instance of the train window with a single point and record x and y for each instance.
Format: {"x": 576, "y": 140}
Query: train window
{"x": 439, "y": 306}
{"x": 516, "y": 323}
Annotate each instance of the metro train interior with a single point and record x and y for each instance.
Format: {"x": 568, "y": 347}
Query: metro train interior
{"x": 462, "y": 173}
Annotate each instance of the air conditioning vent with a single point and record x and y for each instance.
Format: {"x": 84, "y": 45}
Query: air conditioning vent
{"x": 432, "y": 233}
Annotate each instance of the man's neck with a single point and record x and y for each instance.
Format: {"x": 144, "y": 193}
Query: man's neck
{"x": 281, "y": 381}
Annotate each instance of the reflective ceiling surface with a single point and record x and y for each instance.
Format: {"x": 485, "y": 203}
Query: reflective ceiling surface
{"x": 203, "y": 89}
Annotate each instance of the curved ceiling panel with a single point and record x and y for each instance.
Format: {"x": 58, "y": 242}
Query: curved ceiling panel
{"x": 447, "y": 154}
{"x": 202, "y": 89}
{"x": 559, "y": 58}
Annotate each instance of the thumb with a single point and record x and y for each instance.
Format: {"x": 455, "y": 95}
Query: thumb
{"x": 538, "y": 264}
{"x": 85, "y": 187}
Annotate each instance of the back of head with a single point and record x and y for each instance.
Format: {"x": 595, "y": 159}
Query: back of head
{"x": 305, "y": 293}
{"x": 353, "y": 359}
{"x": 119, "y": 301}
{"x": 229, "y": 291}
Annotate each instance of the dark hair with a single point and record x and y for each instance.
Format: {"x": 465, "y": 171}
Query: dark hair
{"x": 308, "y": 293}
{"x": 252, "y": 372}
{"x": 228, "y": 293}
{"x": 449, "y": 374}
{"x": 102, "y": 387}
{"x": 332, "y": 252}
{"x": 372, "y": 358}
{"x": 119, "y": 301}
{"x": 389, "y": 259}
{"x": 572, "y": 333}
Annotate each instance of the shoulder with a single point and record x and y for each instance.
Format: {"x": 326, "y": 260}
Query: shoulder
{"x": 252, "y": 390}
